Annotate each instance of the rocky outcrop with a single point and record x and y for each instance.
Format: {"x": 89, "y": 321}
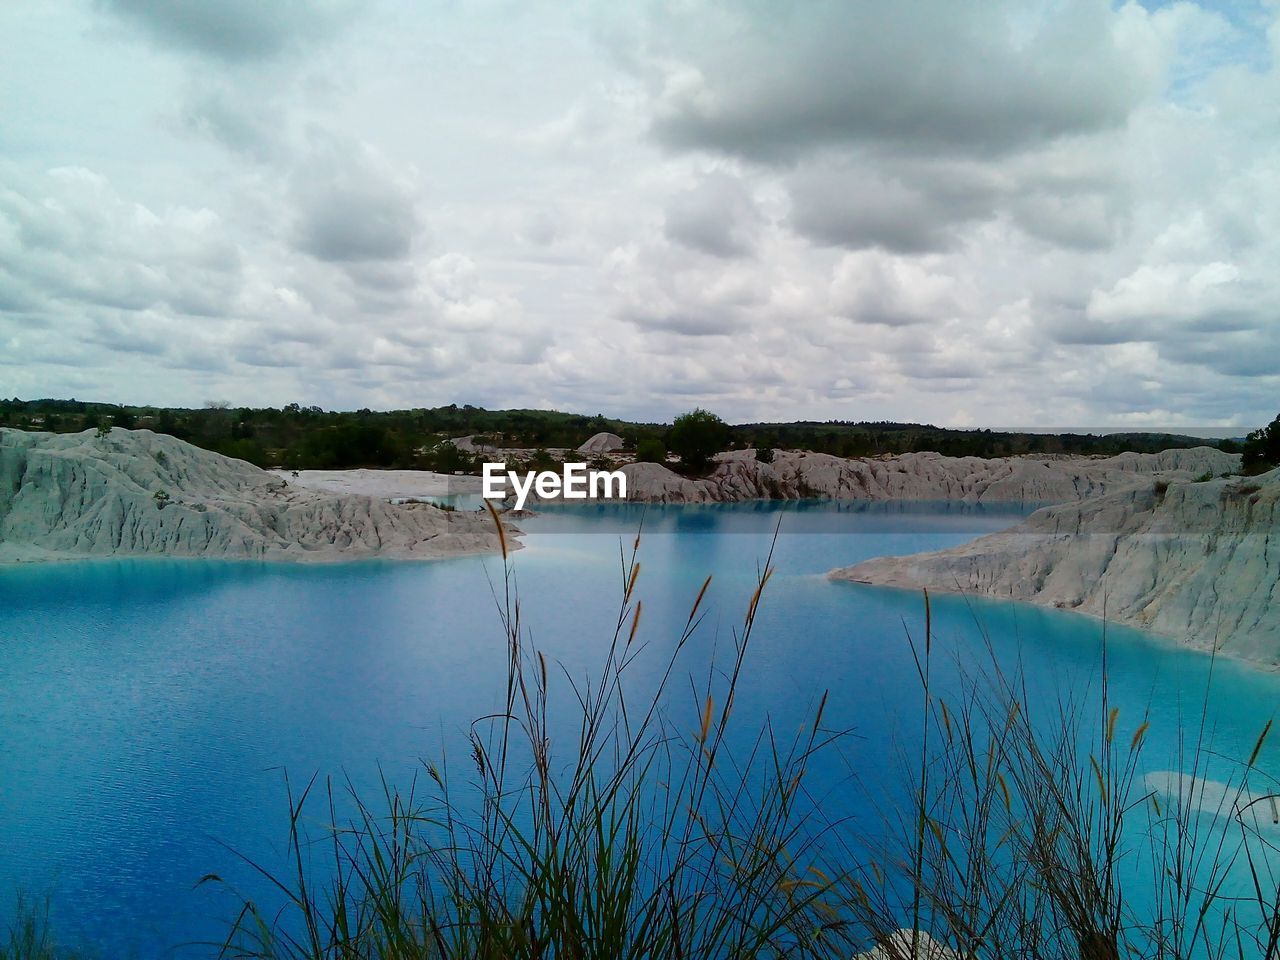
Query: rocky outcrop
{"x": 1195, "y": 561}
{"x": 922, "y": 476}
{"x": 137, "y": 493}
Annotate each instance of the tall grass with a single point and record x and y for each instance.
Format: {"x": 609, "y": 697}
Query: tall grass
{"x": 30, "y": 935}
{"x": 638, "y": 837}
{"x": 1033, "y": 833}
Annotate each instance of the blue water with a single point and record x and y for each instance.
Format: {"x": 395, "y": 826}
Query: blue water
{"x": 150, "y": 710}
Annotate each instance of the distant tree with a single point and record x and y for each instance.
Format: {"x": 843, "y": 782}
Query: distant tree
{"x": 541, "y": 460}
{"x": 1262, "y": 448}
{"x": 446, "y": 458}
{"x": 124, "y": 419}
{"x": 244, "y": 449}
{"x": 696, "y": 437}
{"x": 651, "y": 450}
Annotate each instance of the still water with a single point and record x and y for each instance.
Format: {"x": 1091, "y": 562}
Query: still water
{"x": 150, "y": 710}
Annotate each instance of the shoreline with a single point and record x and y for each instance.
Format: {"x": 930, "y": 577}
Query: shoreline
{"x": 296, "y": 560}
{"x": 1149, "y": 634}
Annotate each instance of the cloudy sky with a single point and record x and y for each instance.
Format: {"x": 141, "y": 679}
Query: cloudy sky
{"x": 979, "y": 213}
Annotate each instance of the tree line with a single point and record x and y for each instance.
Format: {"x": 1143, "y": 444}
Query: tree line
{"x": 308, "y": 437}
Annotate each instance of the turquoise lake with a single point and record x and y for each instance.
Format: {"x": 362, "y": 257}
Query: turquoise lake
{"x": 149, "y": 710}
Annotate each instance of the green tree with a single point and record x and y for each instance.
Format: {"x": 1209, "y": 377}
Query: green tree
{"x": 651, "y": 450}
{"x": 696, "y": 436}
{"x": 1262, "y": 448}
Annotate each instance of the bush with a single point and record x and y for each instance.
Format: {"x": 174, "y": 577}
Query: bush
{"x": 651, "y": 450}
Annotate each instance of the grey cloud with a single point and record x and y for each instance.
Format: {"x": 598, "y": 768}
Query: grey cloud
{"x": 890, "y": 316}
{"x": 1244, "y": 353}
{"x": 383, "y": 281}
{"x": 859, "y": 201}
{"x": 857, "y": 210}
{"x": 17, "y": 297}
{"x": 1227, "y": 321}
{"x": 230, "y": 30}
{"x": 942, "y": 370}
{"x": 977, "y": 80}
{"x": 718, "y": 216}
{"x": 350, "y": 209}
{"x": 1074, "y": 327}
{"x": 124, "y": 337}
{"x": 1084, "y": 220}
{"x": 1235, "y": 341}
{"x": 239, "y": 122}
{"x": 79, "y": 241}
{"x": 202, "y": 358}
{"x": 686, "y": 322}
{"x": 268, "y": 355}
{"x": 540, "y": 228}
{"x": 353, "y": 222}
{"x": 874, "y": 288}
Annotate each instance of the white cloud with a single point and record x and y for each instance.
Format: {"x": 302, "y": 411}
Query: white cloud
{"x": 1036, "y": 213}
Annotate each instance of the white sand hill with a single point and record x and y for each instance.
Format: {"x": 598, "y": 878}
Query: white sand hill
{"x": 1198, "y": 562}
{"x": 601, "y": 443}
{"x": 138, "y": 493}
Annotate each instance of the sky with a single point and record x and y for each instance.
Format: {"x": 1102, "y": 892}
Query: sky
{"x": 965, "y": 213}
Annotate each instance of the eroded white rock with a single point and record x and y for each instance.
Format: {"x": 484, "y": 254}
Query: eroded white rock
{"x": 921, "y": 476}
{"x": 136, "y": 493}
{"x": 1196, "y": 561}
